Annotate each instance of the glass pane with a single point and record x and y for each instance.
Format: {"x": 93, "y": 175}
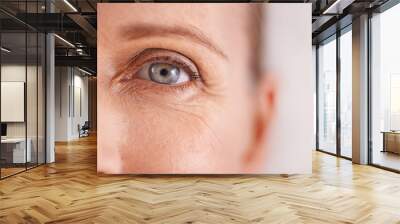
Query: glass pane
{"x": 13, "y": 89}
{"x": 31, "y": 86}
{"x": 346, "y": 93}
{"x": 327, "y": 96}
{"x": 41, "y": 98}
{"x": 22, "y": 89}
{"x": 386, "y": 88}
{"x": 31, "y": 100}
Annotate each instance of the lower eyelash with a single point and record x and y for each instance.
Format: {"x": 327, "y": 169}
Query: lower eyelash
{"x": 132, "y": 89}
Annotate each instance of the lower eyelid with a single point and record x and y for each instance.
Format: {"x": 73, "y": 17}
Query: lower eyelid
{"x": 139, "y": 87}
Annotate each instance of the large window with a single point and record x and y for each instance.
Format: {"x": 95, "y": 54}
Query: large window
{"x": 385, "y": 89}
{"x": 335, "y": 74}
{"x": 327, "y": 96}
{"x": 346, "y": 92}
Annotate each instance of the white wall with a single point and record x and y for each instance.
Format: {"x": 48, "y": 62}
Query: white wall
{"x": 17, "y": 72}
{"x": 288, "y": 51}
{"x": 314, "y": 73}
{"x": 62, "y": 82}
{"x": 9, "y": 73}
{"x": 79, "y": 117}
{"x": 70, "y": 83}
{"x": 33, "y": 127}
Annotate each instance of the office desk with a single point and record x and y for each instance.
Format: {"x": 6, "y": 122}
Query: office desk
{"x": 13, "y": 150}
{"x": 391, "y": 141}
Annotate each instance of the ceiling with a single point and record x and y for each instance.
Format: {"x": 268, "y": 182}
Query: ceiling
{"x": 75, "y": 21}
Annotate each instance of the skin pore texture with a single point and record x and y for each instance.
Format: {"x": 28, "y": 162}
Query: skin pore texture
{"x": 213, "y": 118}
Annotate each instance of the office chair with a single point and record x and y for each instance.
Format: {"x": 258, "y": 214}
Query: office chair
{"x": 84, "y": 130}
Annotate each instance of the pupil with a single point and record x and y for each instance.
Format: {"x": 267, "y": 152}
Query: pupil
{"x": 164, "y": 72}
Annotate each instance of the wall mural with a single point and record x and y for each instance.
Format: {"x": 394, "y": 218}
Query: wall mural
{"x": 204, "y": 88}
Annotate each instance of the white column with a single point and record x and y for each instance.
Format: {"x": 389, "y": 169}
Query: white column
{"x": 360, "y": 90}
{"x": 50, "y": 92}
{"x": 50, "y": 99}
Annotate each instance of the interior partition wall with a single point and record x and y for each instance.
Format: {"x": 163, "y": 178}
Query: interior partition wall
{"x": 22, "y": 88}
{"x": 334, "y": 94}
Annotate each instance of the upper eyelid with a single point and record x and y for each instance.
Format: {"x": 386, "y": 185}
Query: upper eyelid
{"x": 137, "y": 59}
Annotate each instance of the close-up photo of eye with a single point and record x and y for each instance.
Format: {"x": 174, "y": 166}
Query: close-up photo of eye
{"x": 162, "y": 67}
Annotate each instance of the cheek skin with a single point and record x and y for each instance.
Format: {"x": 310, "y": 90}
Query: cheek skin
{"x": 175, "y": 138}
{"x": 170, "y": 141}
{"x": 156, "y": 137}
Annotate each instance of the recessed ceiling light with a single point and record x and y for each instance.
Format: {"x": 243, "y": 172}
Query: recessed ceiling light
{"x": 337, "y": 7}
{"x": 70, "y": 5}
{"x": 84, "y": 71}
{"x": 5, "y": 50}
{"x": 64, "y": 40}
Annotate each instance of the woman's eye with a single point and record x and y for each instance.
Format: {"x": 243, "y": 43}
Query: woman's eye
{"x": 164, "y": 73}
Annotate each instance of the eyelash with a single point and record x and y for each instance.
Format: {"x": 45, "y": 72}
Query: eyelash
{"x": 129, "y": 73}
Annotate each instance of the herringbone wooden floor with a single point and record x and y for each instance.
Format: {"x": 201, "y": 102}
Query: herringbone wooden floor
{"x": 70, "y": 191}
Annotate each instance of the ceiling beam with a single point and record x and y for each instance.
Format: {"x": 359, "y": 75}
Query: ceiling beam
{"x": 84, "y": 24}
{"x": 81, "y": 61}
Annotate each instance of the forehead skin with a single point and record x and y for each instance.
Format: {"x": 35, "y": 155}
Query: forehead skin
{"x": 225, "y": 25}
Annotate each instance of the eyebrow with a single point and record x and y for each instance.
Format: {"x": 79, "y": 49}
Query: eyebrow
{"x": 139, "y": 31}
